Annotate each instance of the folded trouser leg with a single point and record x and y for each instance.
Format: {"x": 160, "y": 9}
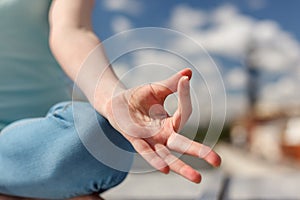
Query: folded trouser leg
{"x": 45, "y": 157}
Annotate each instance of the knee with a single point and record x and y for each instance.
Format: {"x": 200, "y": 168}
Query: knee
{"x": 105, "y": 144}
{"x": 67, "y": 151}
{"x": 118, "y": 178}
{"x": 85, "y": 175}
{"x": 112, "y": 179}
{"x": 95, "y": 134}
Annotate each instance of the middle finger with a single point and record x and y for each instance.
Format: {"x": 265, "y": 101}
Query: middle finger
{"x": 177, "y": 165}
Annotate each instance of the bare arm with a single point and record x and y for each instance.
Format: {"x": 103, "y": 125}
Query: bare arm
{"x": 138, "y": 113}
{"x": 71, "y": 40}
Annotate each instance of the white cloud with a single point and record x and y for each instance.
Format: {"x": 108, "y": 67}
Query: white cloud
{"x": 121, "y": 23}
{"x": 227, "y": 33}
{"x": 224, "y": 14}
{"x": 158, "y": 56}
{"x": 232, "y": 35}
{"x": 265, "y": 31}
{"x": 126, "y": 6}
{"x": 275, "y": 49}
{"x": 236, "y": 106}
{"x": 283, "y": 92}
{"x": 185, "y": 18}
{"x": 236, "y": 78}
{"x": 272, "y": 59}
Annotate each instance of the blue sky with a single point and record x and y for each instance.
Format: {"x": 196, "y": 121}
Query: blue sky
{"x": 224, "y": 29}
{"x": 156, "y": 12}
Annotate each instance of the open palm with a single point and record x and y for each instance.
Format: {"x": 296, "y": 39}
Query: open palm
{"x": 139, "y": 115}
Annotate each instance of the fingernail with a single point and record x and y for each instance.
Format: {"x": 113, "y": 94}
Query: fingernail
{"x": 186, "y": 82}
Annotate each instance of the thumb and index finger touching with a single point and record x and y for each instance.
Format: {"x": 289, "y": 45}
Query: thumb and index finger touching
{"x": 179, "y": 82}
{"x": 172, "y": 83}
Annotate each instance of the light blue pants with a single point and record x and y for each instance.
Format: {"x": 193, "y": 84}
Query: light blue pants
{"x": 44, "y": 157}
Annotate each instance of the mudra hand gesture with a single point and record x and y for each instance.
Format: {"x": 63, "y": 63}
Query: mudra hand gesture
{"x": 139, "y": 115}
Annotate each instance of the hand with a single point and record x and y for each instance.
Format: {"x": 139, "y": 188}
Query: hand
{"x": 139, "y": 115}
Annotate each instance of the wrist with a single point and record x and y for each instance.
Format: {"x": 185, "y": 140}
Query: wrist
{"x": 102, "y": 101}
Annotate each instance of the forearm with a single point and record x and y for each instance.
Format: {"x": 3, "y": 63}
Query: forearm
{"x": 78, "y": 50}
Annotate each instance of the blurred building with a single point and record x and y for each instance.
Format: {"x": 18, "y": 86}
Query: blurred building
{"x": 271, "y": 131}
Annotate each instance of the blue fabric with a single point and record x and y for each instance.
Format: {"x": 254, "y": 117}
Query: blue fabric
{"x": 44, "y": 157}
{"x": 31, "y": 81}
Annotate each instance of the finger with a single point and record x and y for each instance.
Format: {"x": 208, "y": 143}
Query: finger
{"x": 184, "y": 109}
{"x": 172, "y": 82}
{"x": 184, "y": 145}
{"x": 143, "y": 148}
{"x": 177, "y": 165}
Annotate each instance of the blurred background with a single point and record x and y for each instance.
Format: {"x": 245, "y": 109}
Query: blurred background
{"x": 255, "y": 47}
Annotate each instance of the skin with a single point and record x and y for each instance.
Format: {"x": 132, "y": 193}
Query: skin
{"x": 152, "y": 131}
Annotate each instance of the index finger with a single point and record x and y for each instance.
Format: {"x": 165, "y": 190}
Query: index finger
{"x": 184, "y": 109}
